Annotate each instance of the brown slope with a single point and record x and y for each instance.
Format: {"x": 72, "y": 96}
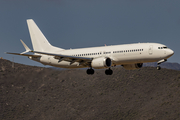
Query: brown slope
{"x": 35, "y": 93}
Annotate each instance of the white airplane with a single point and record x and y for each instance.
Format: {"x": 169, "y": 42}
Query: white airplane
{"x": 130, "y": 56}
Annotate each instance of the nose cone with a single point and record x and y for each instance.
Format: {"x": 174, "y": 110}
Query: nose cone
{"x": 170, "y": 53}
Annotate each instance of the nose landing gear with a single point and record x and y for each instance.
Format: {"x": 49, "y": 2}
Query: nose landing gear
{"x": 159, "y": 62}
{"x": 158, "y": 67}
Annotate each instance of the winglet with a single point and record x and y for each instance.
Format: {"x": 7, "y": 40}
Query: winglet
{"x": 26, "y": 47}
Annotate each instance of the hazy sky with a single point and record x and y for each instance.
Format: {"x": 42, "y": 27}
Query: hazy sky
{"x": 87, "y": 23}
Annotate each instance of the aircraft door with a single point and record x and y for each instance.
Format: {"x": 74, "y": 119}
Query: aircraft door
{"x": 102, "y": 53}
{"x": 150, "y": 50}
{"x": 164, "y": 51}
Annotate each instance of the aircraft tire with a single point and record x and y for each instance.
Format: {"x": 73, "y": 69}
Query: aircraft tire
{"x": 90, "y": 71}
{"x": 108, "y": 72}
{"x": 158, "y": 68}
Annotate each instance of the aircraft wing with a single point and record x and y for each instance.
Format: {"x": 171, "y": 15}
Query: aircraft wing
{"x": 24, "y": 54}
{"x": 72, "y": 59}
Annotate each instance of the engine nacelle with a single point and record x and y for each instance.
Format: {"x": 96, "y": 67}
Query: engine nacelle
{"x": 133, "y": 66}
{"x": 102, "y": 62}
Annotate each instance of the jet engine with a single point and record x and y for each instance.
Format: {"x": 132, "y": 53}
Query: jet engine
{"x": 133, "y": 66}
{"x": 102, "y": 62}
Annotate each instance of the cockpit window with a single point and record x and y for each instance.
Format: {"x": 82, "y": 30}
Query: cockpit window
{"x": 162, "y": 47}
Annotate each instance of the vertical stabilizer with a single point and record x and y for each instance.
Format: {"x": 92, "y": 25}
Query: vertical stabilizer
{"x": 39, "y": 41}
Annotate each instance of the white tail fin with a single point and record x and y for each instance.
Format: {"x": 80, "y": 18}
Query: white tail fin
{"x": 39, "y": 41}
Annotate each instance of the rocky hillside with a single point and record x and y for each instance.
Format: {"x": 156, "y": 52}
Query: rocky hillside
{"x": 34, "y": 93}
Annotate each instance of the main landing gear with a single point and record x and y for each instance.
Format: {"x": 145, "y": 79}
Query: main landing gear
{"x": 108, "y": 72}
{"x": 91, "y": 71}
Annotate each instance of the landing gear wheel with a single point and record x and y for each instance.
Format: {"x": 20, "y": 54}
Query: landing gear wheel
{"x": 90, "y": 71}
{"x": 158, "y": 68}
{"x": 108, "y": 72}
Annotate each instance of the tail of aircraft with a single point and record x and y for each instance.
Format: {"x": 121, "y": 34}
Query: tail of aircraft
{"x": 39, "y": 41}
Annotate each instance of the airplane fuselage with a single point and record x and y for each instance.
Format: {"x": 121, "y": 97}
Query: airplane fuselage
{"x": 120, "y": 54}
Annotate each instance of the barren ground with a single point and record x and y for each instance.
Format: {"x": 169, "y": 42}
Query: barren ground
{"x": 35, "y": 93}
